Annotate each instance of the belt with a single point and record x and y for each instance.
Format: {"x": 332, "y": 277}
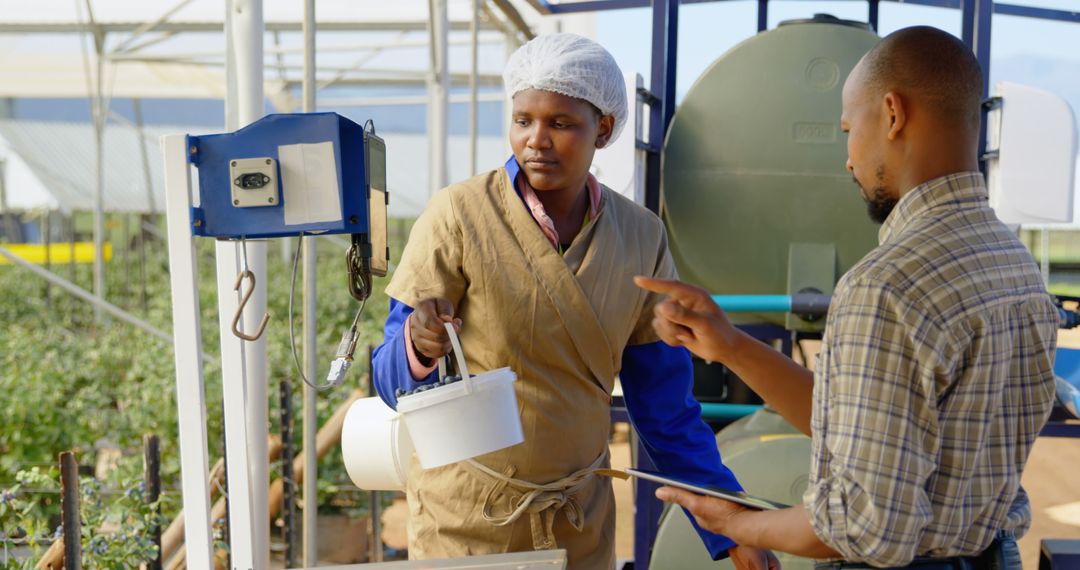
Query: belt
{"x": 541, "y": 501}
{"x": 995, "y": 557}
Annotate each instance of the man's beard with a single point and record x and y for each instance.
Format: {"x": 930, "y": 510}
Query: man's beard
{"x": 878, "y": 204}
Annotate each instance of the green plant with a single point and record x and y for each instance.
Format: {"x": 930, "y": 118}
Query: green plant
{"x": 116, "y": 529}
{"x": 24, "y": 510}
{"x": 72, "y": 381}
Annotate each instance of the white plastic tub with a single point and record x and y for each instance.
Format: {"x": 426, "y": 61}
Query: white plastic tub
{"x": 470, "y": 417}
{"x": 375, "y": 446}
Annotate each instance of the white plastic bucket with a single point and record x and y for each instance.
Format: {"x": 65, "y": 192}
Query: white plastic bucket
{"x": 470, "y": 417}
{"x": 375, "y": 446}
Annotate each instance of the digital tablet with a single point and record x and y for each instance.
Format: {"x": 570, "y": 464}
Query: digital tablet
{"x": 710, "y": 490}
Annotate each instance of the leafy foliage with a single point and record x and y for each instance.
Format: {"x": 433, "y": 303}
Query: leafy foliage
{"x": 70, "y": 382}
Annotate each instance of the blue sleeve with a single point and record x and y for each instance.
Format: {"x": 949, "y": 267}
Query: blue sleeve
{"x": 389, "y": 362}
{"x": 657, "y": 382}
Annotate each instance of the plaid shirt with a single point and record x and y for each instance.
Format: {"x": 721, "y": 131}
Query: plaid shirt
{"x": 935, "y": 376}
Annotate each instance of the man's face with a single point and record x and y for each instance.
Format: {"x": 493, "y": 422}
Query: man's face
{"x": 554, "y": 138}
{"x": 862, "y": 119}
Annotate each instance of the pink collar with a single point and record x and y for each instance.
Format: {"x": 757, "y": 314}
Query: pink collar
{"x": 536, "y": 207}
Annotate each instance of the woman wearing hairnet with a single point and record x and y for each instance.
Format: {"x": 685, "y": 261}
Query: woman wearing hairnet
{"x": 533, "y": 263}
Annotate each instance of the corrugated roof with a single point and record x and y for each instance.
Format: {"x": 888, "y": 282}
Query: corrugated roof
{"x": 62, "y": 156}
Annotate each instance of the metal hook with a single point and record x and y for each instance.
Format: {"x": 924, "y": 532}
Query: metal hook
{"x": 243, "y": 302}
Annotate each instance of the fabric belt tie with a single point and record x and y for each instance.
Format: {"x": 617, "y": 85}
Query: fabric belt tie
{"x": 542, "y": 502}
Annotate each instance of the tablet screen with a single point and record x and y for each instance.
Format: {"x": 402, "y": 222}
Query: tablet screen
{"x": 711, "y": 490}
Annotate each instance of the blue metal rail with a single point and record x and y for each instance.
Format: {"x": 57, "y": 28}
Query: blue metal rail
{"x": 998, "y": 8}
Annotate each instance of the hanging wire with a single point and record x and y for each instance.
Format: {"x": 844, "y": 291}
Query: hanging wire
{"x": 350, "y": 339}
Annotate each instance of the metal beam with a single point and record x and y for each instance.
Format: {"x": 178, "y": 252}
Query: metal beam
{"x": 976, "y": 20}
{"x": 514, "y": 17}
{"x": 474, "y": 98}
{"x": 98, "y": 107}
{"x": 457, "y": 79}
{"x": 492, "y": 38}
{"x": 244, "y": 363}
{"x": 665, "y": 29}
{"x": 570, "y": 7}
{"x": 310, "y": 426}
{"x": 1040, "y": 13}
{"x": 190, "y": 391}
{"x": 438, "y": 90}
{"x": 149, "y": 26}
{"x": 330, "y": 103}
{"x": 217, "y": 27}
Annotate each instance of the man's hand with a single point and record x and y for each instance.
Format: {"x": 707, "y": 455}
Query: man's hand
{"x": 721, "y": 517}
{"x": 786, "y": 530}
{"x": 427, "y": 328}
{"x": 712, "y": 514}
{"x": 750, "y": 558}
{"x": 690, "y": 318}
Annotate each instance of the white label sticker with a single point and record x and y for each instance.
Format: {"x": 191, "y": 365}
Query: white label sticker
{"x": 309, "y": 183}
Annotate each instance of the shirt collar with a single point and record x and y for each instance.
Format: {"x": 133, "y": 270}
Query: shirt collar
{"x": 513, "y": 169}
{"x": 953, "y": 191}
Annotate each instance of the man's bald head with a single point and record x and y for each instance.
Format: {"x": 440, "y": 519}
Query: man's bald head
{"x": 929, "y": 66}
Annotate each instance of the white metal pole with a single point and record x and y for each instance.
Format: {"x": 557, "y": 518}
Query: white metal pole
{"x": 310, "y": 427}
{"x": 239, "y": 458}
{"x": 244, "y": 30}
{"x": 99, "y": 190}
{"x": 473, "y": 111}
{"x": 190, "y": 396}
{"x": 509, "y": 47}
{"x": 438, "y": 90}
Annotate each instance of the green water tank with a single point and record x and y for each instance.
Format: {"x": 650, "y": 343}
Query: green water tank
{"x": 756, "y": 196}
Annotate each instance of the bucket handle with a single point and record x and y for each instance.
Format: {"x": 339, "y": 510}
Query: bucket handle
{"x": 459, "y": 355}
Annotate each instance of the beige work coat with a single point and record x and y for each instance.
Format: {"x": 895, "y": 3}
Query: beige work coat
{"x": 561, "y": 323}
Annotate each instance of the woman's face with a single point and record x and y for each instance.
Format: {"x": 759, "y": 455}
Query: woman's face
{"x": 554, "y": 137}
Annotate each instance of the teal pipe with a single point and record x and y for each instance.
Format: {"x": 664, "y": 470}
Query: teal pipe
{"x": 754, "y": 303}
{"x": 727, "y": 412}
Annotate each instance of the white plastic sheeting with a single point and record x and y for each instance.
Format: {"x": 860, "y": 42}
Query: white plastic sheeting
{"x": 50, "y": 165}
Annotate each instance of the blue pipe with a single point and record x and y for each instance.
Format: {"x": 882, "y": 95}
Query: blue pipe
{"x": 809, "y": 304}
{"x": 754, "y": 303}
{"x": 727, "y": 412}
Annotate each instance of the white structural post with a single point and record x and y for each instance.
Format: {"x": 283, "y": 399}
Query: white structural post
{"x": 473, "y": 111}
{"x": 190, "y": 398}
{"x": 246, "y": 379}
{"x": 238, "y": 436}
{"x": 310, "y": 426}
{"x": 438, "y": 94}
{"x": 99, "y": 158}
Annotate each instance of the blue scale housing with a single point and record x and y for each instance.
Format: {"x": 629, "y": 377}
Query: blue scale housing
{"x": 211, "y": 154}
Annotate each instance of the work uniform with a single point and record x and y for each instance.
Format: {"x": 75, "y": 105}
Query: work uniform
{"x": 566, "y": 324}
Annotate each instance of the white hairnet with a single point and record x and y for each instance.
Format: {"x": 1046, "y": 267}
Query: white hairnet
{"x": 571, "y": 65}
